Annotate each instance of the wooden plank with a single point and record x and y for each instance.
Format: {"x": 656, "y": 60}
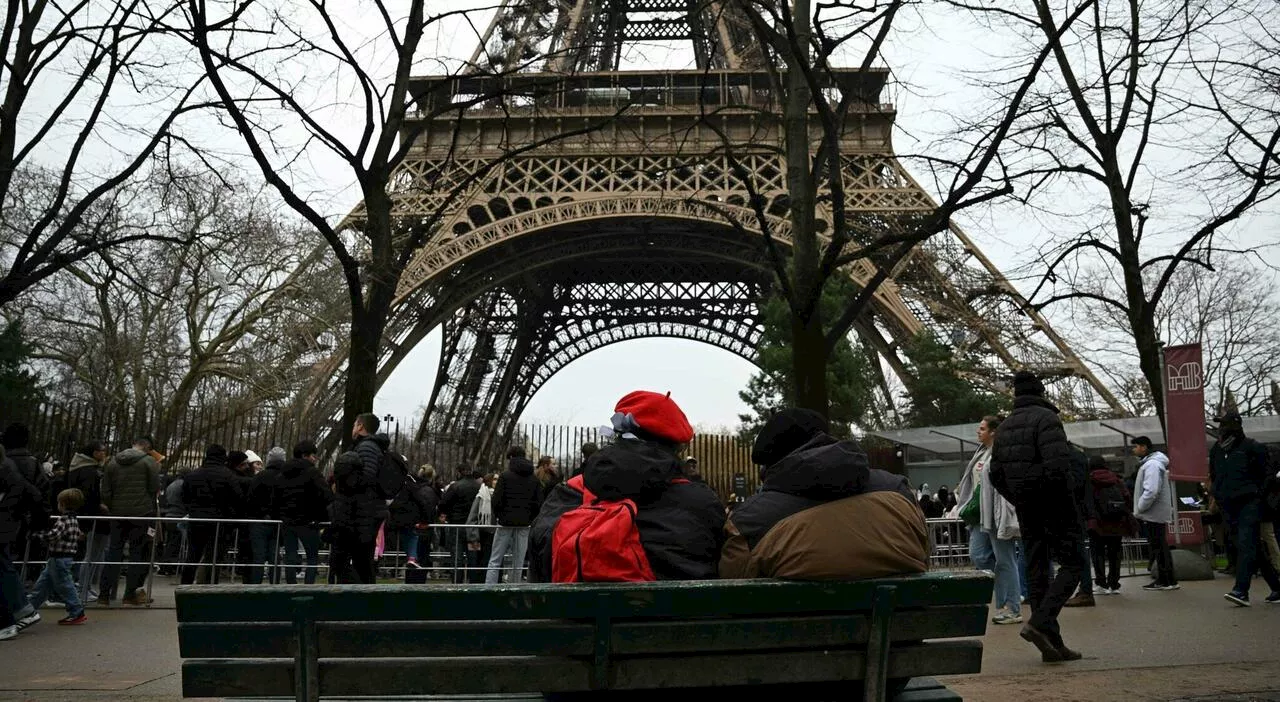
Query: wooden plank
{"x": 441, "y": 676}
{"x": 199, "y": 603}
{"x": 562, "y": 638}
{"x": 875, "y": 688}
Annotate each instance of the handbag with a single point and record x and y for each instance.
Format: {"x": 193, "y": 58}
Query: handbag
{"x": 971, "y": 512}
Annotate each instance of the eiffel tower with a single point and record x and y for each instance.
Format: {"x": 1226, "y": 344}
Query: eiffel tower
{"x": 644, "y": 227}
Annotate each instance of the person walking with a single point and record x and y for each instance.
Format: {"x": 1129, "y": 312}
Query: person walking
{"x": 993, "y": 526}
{"x": 1030, "y": 467}
{"x": 1238, "y": 471}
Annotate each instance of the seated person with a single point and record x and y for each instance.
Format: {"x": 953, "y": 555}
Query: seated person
{"x": 680, "y": 522}
{"x": 824, "y": 513}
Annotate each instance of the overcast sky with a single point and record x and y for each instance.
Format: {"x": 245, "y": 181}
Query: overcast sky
{"x": 932, "y": 60}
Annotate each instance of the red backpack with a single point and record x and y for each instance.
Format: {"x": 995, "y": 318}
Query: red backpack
{"x": 598, "y": 542}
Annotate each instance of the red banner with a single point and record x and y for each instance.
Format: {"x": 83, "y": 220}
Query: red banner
{"x": 1184, "y": 413}
{"x": 1188, "y": 530}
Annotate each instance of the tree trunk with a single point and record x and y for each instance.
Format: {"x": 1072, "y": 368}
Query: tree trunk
{"x": 369, "y": 320}
{"x": 808, "y": 339}
{"x": 1148, "y": 343}
{"x": 809, "y": 363}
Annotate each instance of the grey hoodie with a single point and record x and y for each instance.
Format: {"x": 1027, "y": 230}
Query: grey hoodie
{"x": 1153, "y": 498}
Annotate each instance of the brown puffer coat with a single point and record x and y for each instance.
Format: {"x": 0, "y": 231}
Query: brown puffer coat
{"x": 825, "y": 514}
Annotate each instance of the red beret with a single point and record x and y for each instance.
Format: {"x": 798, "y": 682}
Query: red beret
{"x": 657, "y": 415}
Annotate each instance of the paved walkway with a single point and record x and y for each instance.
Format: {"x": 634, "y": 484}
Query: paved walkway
{"x": 1188, "y": 645}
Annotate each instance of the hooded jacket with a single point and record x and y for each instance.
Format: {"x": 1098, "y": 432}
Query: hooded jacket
{"x": 1117, "y": 525}
{"x": 516, "y": 496}
{"x": 173, "y": 505}
{"x": 1154, "y": 498}
{"x": 825, "y": 514}
{"x": 212, "y": 491}
{"x": 85, "y": 475}
{"x": 416, "y": 503}
{"x": 130, "y": 483}
{"x": 298, "y": 493}
{"x": 681, "y": 523}
{"x": 357, "y": 506}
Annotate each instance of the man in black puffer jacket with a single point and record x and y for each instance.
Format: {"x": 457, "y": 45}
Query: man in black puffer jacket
{"x": 515, "y": 505}
{"x": 357, "y": 512}
{"x": 1031, "y": 468}
{"x": 301, "y": 500}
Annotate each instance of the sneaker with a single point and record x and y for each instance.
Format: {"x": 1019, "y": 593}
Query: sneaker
{"x": 1102, "y": 591}
{"x": 1115, "y": 590}
{"x": 1153, "y": 585}
{"x": 70, "y": 620}
{"x": 1007, "y": 618}
{"x": 411, "y": 563}
{"x": 1273, "y": 598}
{"x": 1082, "y": 599}
{"x": 1239, "y": 599}
{"x": 93, "y": 594}
{"x": 1174, "y": 586}
{"x": 8, "y": 632}
{"x": 30, "y": 619}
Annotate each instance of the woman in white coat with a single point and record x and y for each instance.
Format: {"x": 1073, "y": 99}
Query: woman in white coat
{"x": 993, "y": 526}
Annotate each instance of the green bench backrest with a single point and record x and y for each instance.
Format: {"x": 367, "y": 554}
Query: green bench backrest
{"x": 418, "y": 640}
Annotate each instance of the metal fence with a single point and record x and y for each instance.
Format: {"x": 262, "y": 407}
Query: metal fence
{"x": 58, "y": 430}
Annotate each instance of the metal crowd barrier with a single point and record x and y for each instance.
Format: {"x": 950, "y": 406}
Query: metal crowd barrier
{"x": 948, "y": 545}
{"x": 444, "y": 554}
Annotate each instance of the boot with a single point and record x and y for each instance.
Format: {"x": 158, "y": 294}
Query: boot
{"x": 1082, "y": 599}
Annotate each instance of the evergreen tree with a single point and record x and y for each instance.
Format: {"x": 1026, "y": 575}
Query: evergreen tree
{"x": 939, "y": 393}
{"x": 852, "y": 376}
{"x": 19, "y": 387}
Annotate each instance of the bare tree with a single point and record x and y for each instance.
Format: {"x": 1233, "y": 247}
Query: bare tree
{"x": 1135, "y": 133}
{"x": 90, "y": 102}
{"x": 227, "y": 320}
{"x": 258, "y": 58}
{"x": 829, "y": 234}
{"x": 1233, "y": 311}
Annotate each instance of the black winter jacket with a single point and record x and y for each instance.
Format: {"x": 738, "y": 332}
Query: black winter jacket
{"x": 823, "y": 470}
{"x": 516, "y": 497}
{"x": 258, "y": 500}
{"x": 456, "y": 503}
{"x": 30, "y": 470}
{"x": 681, "y": 524}
{"x": 213, "y": 491}
{"x": 21, "y": 503}
{"x": 356, "y": 506}
{"x": 1031, "y": 468}
{"x": 1238, "y": 470}
{"x": 85, "y": 475}
{"x": 417, "y": 503}
{"x": 299, "y": 495}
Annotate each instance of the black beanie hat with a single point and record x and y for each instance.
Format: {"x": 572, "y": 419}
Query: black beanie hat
{"x": 1026, "y": 383}
{"x": 235, "y": 458}
{"x": 785, "y": 432}
{"x": 215, "y": 452}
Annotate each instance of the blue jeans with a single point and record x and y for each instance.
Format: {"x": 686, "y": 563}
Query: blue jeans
{"x": 262, "y": 540}
{"x": 514, "y": 539}
{"x": 998, "y": 555}
{"x": 1020, "y": 554}
{"x": 409, "y": 543}
{"x": 309, "y": 536}
{"x": 55, "y": 579}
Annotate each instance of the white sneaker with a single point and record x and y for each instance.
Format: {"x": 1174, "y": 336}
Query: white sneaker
{"x": 8, "y": 632}
{"x": 1007, "y": 618}
{"x": 33, "y": 618}
{"x": 1102, "y": 591}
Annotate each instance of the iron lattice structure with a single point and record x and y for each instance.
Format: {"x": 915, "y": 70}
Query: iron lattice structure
{"x": 635, "y": 218}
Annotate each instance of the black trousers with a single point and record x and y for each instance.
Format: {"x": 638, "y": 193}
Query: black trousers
{"x": 1051, "y": 534}
{"x": 1105, "y": 551}
{"x": 207, "y": 542}
{"x": 1162, "y": 557}
{"x": 351, "y": 557}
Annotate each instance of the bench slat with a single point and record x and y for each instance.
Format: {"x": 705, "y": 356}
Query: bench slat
{"x": 418, "y": 676}
{"x": 201, "y": 603}
{"x": 560, "y": 638}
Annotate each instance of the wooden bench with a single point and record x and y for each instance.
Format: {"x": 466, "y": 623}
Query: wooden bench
{"x": 372, "y": 640}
